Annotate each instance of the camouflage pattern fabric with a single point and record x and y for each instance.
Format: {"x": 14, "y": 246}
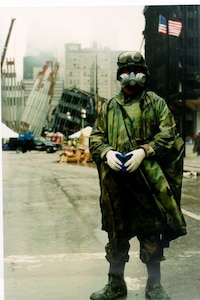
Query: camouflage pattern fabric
{"x": 148, "y": 200}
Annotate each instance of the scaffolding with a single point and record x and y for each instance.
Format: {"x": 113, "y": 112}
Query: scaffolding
{"x": 12, "y": 93}
{"x": 12, "y": 96}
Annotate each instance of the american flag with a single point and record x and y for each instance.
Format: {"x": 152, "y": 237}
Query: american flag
{"x": 162, "y": 25}
{"x": 174, "y": 27}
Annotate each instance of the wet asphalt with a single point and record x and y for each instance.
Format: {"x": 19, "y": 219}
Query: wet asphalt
{"x": 53, "y": 244}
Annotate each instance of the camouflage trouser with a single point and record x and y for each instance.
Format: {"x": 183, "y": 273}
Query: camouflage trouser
{"x": 150, "y": 249}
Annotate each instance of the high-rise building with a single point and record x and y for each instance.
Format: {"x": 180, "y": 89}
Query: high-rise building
{"x": 33, "y": 64}
{"x": 174, "y": 61}
{"x": 92, "y": 70}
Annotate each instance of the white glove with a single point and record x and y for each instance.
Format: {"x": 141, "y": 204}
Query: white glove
{"x": 113, "y": 162}
{"x": 137, "y": 157}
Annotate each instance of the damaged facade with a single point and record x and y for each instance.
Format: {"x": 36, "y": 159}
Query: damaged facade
{"x": 76, "y": 109}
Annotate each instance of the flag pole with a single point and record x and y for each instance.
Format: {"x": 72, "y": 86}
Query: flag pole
{"x": 184, "y": 77}
{"x": 141, "y": 45}
{"x": 167, "y": 56}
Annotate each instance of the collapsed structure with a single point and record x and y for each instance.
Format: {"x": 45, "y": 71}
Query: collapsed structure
{"x": 39, "y": 100}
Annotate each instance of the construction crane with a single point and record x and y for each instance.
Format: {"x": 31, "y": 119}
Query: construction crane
{"x": 6, "y": 43}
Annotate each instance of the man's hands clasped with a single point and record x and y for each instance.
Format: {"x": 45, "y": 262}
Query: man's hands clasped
{"x": 112, "y": 160}
{"x": 125, "y": 163}
{"x": 134, "y": 162}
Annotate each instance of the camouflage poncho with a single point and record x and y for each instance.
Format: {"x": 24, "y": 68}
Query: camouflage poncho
{"x": 148, "y": 200}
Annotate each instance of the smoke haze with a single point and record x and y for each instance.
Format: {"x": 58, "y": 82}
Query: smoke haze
{"x": 48, "y": 29}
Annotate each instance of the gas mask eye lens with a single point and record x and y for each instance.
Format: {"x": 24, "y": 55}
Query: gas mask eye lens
{"x": 129, "y": 57}
{"x": 136, "y": 57}
{"x": 124, "y": 57}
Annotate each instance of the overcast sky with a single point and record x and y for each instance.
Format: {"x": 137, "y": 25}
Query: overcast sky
{"x": 39, "y": 29}
{"x": 49, "y": 24}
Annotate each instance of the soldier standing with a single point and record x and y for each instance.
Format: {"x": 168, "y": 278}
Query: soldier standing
{"x": 139, "y": 158}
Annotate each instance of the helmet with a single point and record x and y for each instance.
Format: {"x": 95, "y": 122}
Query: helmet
{"x": 130, "y": 59}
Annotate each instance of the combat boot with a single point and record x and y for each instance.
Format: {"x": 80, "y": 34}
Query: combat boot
{"x": 155, "y": 292}
{"x": 116, "y": 288}
{"x": 154, "y": 289}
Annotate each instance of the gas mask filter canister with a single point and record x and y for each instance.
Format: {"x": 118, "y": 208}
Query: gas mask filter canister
{"x": 132, "y": 79}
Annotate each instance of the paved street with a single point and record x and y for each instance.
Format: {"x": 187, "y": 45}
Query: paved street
{"x": 53, "y": 243}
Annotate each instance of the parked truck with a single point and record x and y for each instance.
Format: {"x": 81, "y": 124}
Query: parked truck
{"x": 27, "y": 142}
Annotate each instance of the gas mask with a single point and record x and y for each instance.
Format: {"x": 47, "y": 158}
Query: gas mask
{"x": 132, "y": 79}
